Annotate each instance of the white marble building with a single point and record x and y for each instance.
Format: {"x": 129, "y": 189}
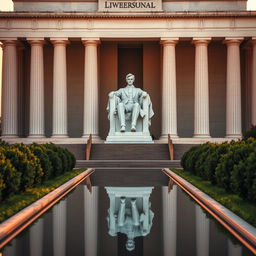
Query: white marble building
{"x": 196, "y": 59}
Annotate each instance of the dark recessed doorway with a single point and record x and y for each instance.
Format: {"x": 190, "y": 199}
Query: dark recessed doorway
{"x": 130, "y": 60}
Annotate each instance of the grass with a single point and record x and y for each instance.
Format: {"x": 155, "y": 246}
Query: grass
{"x": 236, "y": 204}
{"x": 17, "y": 202}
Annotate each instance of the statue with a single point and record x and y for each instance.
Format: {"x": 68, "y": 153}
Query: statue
{"x": 129, "y": 109}
{"x": 130, "y": 216}
{"x": 129, "y": 103}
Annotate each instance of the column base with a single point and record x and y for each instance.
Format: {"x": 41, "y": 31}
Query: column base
{"x": 165, "y": 137}
{"x": 94, "y": 136}
{"x": 36, "y": 136}
{"x": 9, "y": 136}
{"x": 61, "y": 136}
{"x": 201, "y": 136}
{"x": 234, "y": 136}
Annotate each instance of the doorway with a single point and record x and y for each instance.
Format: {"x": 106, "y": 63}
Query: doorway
{"x": 130, "y": 60}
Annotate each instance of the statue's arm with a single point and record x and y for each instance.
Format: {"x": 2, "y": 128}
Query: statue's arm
{"x": 143, "y": 94}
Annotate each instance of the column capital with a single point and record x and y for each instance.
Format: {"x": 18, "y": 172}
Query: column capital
{"x": 36, "y": 40}
{"x": 9, "y": 41}
{"x": 59, "y": 41}
{"x": 253, "y": 41}
{"x": 90, "y": 40}
{"x": 169, "y": 40}
{"x": 233, "y": 40}
{"x": 201, "y": 40}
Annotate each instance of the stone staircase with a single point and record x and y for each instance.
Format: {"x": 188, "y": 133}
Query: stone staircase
{"x": 129, "y": 152}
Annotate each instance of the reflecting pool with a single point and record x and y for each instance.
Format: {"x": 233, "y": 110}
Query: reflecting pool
{"x": 78, "y": 226}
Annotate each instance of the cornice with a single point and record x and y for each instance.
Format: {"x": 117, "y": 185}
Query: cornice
{"x": 107, "y": 15}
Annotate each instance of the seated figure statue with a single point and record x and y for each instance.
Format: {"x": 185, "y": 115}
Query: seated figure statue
{"x": 129, "y": 110}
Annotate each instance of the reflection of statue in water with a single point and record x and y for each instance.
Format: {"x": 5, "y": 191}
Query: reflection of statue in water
{"x": 129, "y": 104}
{"x": 129, "y": 221}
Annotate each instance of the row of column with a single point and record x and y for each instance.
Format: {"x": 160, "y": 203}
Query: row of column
{"x": 201, "y": 105}
{"x": 169, "y": 101}
{"x": 36, "y": 121}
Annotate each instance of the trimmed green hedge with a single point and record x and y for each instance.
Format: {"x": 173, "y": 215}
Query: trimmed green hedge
{"x": 229, "y": 165}
{"x": 26, "y": 166}
{"x": 251, "y": 133}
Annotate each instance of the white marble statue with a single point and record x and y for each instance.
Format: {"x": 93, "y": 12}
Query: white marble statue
{"x": 129, "y": 110}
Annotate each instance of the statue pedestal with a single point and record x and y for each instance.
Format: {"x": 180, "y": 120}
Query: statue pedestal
{"x": 129, "y": 138}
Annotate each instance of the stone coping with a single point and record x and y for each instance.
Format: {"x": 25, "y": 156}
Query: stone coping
{"x": 241, "y": 229}
{"x": 96, "y": 15}
{"x": 15, "y": 224}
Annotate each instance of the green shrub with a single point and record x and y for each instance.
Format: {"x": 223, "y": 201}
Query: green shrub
{"x": 23, "y": 167}
{"x": 54, "y": 159}
{"x": 243, "y": 177}
{"x": 200, "y": 161}
{"x": 236, "y": 152}
{"x": 251, "y": 133}
{"x": 2, "y": 185}
{"x": 212, "y": 159}
{"x": 21, "y": 163}
{"x": 45, "y": 162}
{"x": 33, "y": 161}
{"x": 67, "y": 158}
{"x": 11, "y": 178}
{"x": 71, "y": 159}
{"x": 229, "y": 165}
{"x": 189, "y": 159}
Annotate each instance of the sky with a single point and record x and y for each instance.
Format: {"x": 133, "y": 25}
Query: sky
{"x": 6, "y": 5}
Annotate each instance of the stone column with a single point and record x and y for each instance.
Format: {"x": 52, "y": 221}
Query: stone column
{"x": 36, "y": 238}
{"x": 169, "y": 104}
{"x": 10, "y": 89}
{"x": 169, "y": 220}
{"x": 201, "y": 107}
{"x": 59, "y": 129}
{"x": 253, "y": 92}
{"x": 91, "y": 97}
{"x": 21, "y": 93}
{"x": 233, "y": 102}
{"x": 36, "y": 117}
{"x": 202, "y": 233}
{"x": 59, "y": 228}
{"x": 91, "y": 221}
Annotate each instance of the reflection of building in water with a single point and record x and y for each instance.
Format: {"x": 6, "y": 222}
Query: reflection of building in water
{"x": 129, "y": 212}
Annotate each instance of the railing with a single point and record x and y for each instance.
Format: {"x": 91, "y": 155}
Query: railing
{"x": 15, "y": 224}
{"x": 171, "y": 147}
{"x": 235, "y": 225}
{"x": 88, "y": 148}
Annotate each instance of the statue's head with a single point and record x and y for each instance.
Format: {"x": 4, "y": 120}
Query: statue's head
{"x": 130, "y": 244}
{"x": 130, "y": 78}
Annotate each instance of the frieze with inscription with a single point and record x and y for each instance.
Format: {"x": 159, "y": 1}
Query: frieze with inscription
{"x": 133, "y": 5}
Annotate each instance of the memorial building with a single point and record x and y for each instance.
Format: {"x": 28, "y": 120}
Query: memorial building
{"x": 61, "y": 59}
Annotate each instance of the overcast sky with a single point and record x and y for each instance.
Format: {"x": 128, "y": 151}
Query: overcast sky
{"x": 6, "y": 5}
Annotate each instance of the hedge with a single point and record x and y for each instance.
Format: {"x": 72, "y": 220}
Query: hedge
{"x": 26, "y": 166}
{"x": 229, "y": 165}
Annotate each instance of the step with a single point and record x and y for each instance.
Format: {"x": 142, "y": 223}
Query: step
{"x": 128, "y": 164}
{"x": 129, "y": 152}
